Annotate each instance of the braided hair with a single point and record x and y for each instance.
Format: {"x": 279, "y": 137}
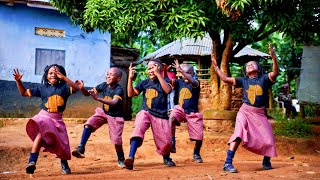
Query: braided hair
{"x": 45, "y": 75}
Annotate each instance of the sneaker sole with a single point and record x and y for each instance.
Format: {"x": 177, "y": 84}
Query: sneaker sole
{"x": 198, "y": 160}
{"x": 121, "y": 166}
{"x": 229, "y": 171}
{"x": 77, "y": 154}
{"x": 128, "y": 163}
{"x": 64, "y": 172}
{"x": 30, "y": 169}
{"x": 267, "y": 168}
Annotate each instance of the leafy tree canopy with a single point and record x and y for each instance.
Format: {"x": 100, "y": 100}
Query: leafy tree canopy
{"x": 241, "y": 22}
{"x": 248, "y": 20}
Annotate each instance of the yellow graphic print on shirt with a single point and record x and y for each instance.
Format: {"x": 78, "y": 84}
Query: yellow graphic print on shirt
{"x": 53, "y": 103}
{"x": 184, "y": 94}
{"x": 106, "y": 106}
{"x": 150, "y": 94}
{"x": 253, "y": 91}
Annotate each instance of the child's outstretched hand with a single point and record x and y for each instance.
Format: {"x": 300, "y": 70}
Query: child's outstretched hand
{"x": 80, "y": 84}
{"x": 95, "y": 97}
{"x": 271, "y": 51}
{"x": 16, "y": 74}
{"x": 131, "y": 71}
{"x": 177, "y": 65}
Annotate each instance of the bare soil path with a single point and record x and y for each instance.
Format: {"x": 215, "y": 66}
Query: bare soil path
{"x": 297, "y": 158}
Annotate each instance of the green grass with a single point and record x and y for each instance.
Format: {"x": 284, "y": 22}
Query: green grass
{"x": 288, "y": 127}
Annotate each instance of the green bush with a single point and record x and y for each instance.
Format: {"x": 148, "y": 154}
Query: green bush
{"x": 141, "y": 74}
{"x": 291, "y": 127}
{"x": 312, "y": 110}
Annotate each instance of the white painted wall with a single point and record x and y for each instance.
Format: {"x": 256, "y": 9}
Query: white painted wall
{"x": 87, "y": 55}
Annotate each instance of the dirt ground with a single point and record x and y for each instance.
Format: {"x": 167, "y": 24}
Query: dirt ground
{"x": 297, "y": 158}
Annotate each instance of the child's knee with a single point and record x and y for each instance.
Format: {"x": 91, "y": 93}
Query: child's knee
{"x": 88, "y": 126}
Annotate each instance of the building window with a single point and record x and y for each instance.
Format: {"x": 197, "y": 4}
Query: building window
{"x": 45, "y": 57}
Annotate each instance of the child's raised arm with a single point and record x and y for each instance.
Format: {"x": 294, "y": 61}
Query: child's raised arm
{"x": 165, "y": 86}
{"x": 112, "y": 102}
{"x": 81, "y": 88}
{"x": 67, "y": 80}
{"x": 17, "y": 77}
{"x": 223, "y": 77}
{"x": 131, "y": 92}
{"x": 275, "y": 68}
{"x": 194, "y": 82}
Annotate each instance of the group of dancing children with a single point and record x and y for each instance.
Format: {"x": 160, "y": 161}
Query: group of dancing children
{"x": 47, "y": 129}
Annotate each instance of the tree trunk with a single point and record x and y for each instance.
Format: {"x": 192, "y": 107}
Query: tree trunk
{"x": 221, "y": 91}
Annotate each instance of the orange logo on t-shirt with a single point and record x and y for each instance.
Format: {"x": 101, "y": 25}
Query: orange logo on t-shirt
{"x": 106, "y": 106}
{"x": 253, "y": 91}
{"x": 53, "y": 103}
{"x": 150, "y": 94}
{"x": 184, "y": 94}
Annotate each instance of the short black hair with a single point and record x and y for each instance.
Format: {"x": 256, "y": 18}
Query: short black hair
{"x": 158, "y": 62}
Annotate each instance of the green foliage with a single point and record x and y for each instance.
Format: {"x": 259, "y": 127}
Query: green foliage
{"x": 291, "y": 127}
{"x": 312, "y": 110}
{"x": 289, "y": 54}
{"x": 137, "y": 101}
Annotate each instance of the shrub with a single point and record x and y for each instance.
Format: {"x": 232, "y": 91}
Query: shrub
{"x": 140, "y": 74}
{"x": 291, "y": 127}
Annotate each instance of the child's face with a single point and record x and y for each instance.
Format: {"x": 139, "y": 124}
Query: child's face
{"x": 52, "y": 76}
{"x": 188, "y": 70}
{"x": 151, "y": 65}
{"x": 113, "y": 76}
{"x": 251, "y": 67}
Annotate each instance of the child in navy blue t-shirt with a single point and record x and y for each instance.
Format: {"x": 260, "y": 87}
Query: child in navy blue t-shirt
{"x": 154, "y": 113}
{"x": 110, "y": 113}
{"x": 188, "y": 92}
{"x": 252, "y": 126}
{"x": 47, "y": 129}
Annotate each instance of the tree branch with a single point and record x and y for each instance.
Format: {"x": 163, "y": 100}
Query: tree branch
{"x": 266, "y": 34}
{"x": 261, "y": 28}
{"x": 240, "y": 46}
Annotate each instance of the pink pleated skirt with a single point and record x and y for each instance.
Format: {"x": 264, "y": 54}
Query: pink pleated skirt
{"x": 253, "y": 127}
{"x": 53, "y": 132}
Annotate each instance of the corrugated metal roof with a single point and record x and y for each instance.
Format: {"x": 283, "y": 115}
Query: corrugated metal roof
{"x": 196, "y": 46}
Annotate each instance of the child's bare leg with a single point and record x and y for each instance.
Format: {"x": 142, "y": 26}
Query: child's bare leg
{"x": 234, "y": 145}
{"x": 34, "y": 154}
{"x": 120, "y": 155}
{"x": 172, "y": 124}
{"x": 36, "y": 144}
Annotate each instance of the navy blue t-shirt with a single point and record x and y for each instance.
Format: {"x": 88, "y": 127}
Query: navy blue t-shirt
{"x": 255, "y": 90}
{"x": 188, "y": 96}
{"x": 154, "y": 97}
{"x": 53, "y": 98}
{"x": 109, "y": 94}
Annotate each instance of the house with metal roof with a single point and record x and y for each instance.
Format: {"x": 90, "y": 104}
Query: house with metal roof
{"x": 198, "y": 51}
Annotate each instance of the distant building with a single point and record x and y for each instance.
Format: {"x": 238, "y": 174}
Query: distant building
{"x": 32, "y": 38}
{"x": 32, "y": 35}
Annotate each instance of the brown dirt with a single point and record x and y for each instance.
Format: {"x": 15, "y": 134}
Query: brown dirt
{"x": 297, "y": 158}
